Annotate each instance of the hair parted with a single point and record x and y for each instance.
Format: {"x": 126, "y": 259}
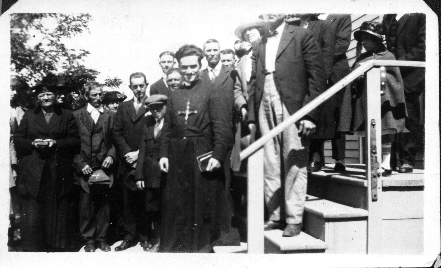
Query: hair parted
{"x": 137, "y": 75}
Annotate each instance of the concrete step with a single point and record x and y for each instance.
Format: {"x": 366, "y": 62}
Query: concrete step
{"x": 343, "y": 228}
{"x": 303, "y": 243}
{"x": 231, "y": 249}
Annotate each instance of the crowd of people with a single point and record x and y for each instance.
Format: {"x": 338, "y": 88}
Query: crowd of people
{"x": 159, "y": 167}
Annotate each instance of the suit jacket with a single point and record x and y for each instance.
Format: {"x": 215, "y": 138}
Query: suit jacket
{"x": 84, "y": 124}
{"x": 126, "y": 135}
{"x": 159, "y": 87}
{"x": 341, "y": 25}
{"x": 148, "y": 169}
{"x": 241, "y": 71}
{"x": 58, "y": 159}
{"x": 407, "y": 40}
{"x": 300, "y": 74}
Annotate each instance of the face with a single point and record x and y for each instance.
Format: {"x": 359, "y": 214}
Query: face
{"x": 95, "y": 97}
{"x": 112, "y": 106}
{"x": 189, "y": 67}
{"x": 13, "y": 92}
{"x": 212, "y": 53}
{"x": 59, "y": 99}
{"x": 138, "y": 85}
{"x": 251, "y": 35}
{"x": 166, "y": 62}
{"x": 157, "y": 110}
{"x": 46, "y": 99}
{"x": 227, "y": 59}
{"x": 368, "y": 42}
{"x": 174, "y": 80}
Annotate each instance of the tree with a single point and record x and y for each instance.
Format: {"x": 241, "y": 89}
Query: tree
{"x": 113, "y": 83}
{"x": 34, "y": 61}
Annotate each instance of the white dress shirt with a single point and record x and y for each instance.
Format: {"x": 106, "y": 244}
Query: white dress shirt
{"x": 272, "y": 46}
{"x": 214, "y": 72}
{"x": 398, "y": 17}
{"x": 158, "y": 127}
{"x": 95, "y": 112}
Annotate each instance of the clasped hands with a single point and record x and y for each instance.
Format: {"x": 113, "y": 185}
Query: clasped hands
{"x": 37, "y": 143}
{"x": 87, "y": 170}
{"x": 213, "y": 164}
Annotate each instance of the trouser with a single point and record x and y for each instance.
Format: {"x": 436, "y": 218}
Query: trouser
{"x": 94, "y": 213}
{"x": 338, "y": 148}
{"x": 285, "y": 160}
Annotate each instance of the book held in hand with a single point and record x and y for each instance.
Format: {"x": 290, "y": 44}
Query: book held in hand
{"x": 203, "y": 161}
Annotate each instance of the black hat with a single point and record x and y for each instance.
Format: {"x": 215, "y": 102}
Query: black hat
{"x": 111, "y": 96}
{"x": 156, "y": 99}
{"x": 372, "y": 28}
{"x": 40, "y": 88}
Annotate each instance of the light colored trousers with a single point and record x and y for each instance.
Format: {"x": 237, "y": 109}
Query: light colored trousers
{"x": 285, "y": 160}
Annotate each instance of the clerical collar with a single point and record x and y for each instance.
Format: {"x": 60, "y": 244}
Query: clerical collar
{"x": 186, "y": 84}
{"x": 90, "y": 108}
{"x": 217, "y": 68}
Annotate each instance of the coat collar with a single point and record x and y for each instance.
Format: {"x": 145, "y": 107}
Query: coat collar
{"x": 287, "y": 36}
{"x": 404, "y": 19}
{"x": 222, "y": 77}
{"x": 55, "y": 118}
{"x": 130, "y": 105}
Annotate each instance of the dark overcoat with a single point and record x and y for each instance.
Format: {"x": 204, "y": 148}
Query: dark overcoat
{"x": 159, "y": 87}
{"x": 300, "y": 74}
{"x": 393, "y": 106}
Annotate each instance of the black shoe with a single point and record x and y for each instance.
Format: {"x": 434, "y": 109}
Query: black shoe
{"x": 405, "y": 168}
{"x": 314, "y": 166}
{"x": 146, "y": 245}
{"x": 339, "y": 167}
{"x": 124, "y": 245}
{"x": 292, "y": 230}
{"x": 386, "y": 173}
{"x": 104, "y": 246}
{"x": 155, "y": 247}
{"x": 272, "y": 225}
{"x": 90, "y": 247}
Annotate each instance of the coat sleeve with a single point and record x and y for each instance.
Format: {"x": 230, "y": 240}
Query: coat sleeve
{"x": 343, "y": 35}
{"x": 140, "y": 176}
{"x": 71, "y": 143}
{"x": 166, "y": 131}
{"x": 239, "y": 98}
{"x": 315, "y": 71}
{"x": 327, "y": 46}
{"x": 252, "y": 87}
{"x": 23, "y": 145}
{"x": 117, "y": 133}
{"x": 112, "y": 150}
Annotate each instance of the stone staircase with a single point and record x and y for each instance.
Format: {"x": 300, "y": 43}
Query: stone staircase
{"x": 336, "y": 217}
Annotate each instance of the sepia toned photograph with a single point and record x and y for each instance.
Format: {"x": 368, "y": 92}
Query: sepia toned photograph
{"x": 251, "y": 133}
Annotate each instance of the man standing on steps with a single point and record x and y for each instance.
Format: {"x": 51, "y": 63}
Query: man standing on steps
{"x": 127, "y": 131}
{"x": 288, "y": 73}
{"x": 166, "y": 61}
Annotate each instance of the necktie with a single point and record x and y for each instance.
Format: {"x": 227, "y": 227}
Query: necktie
{"x": 213, "y": 74}
{"x": 95, "y": 114}
{"x": 156, "y": 129}
{"x": 47, "y": 117}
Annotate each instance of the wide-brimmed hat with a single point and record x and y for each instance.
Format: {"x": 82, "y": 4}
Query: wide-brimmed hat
{"x": 156, "y": 99}
{"x": 40, "y": 88}
{"x": 113, "y": 96}
{"x": 372, "y": 28}
{"x": 250, "y": 23}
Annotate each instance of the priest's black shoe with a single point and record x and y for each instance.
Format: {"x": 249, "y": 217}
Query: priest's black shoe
{"x": 104, "y": 246}
{"x": 124, "y": 245}
{"x": 405, "y": 168}
{"x": 90, "y": 247}
{"x": 271, "y": 225}
{"x": 314, "y": 166}
{"x": 339, "y": 167}
{"x": 146, "y": 245}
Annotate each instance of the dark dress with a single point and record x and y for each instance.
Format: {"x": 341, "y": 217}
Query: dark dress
{"x": 46, "y": 178}
{"x": 195, "y": 214}
{"x": 393, "y": 107}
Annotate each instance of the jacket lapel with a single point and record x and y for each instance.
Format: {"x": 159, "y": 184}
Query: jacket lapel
{"x": 105, "y": 119}
{"x": 286, "y": 38}
{"x": 55, "y": 119}
{"x": 86, "y": 119}
{"x": 222, "y": 77}
{"x": 311, "y": 24}
{"x": 404, "y": 20}
{"x": 39, "y": 119}
{"x": 261, "y": 52}
{"x": 131, "y": 110}
{"x": 141, "y": 112}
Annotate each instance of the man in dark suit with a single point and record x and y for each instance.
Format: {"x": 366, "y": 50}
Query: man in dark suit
{"x": 97, "y": 153}
{"x": 166, "y": 61}
{"x": 148, "y": 173}
{"x": 127, "y": 129}
{"x": 288, "y": 73}
{"x": 227, "y": 57}
{"x": 406, "y": 38}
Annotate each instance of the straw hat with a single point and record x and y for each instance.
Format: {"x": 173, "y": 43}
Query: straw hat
{"x": 250, "y": 23}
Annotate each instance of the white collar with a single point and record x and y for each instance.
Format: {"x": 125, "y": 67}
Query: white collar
{"x": 217, "y": 68}
{"x": 279, "y": 29}
{"x": 90, "y": 108}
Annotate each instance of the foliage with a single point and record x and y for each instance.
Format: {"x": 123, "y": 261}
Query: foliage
{"x": 49, "y": 55}
{"x": 112, "y": 82}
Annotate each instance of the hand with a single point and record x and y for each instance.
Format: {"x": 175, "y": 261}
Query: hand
{"x": 213, "y": 164}
{"x": 163, "y": 164}
{"x": 140, "y": 185}
{"x": 107, "y": 162}
{"x": 87, "y": 170}
{"x": 131, "y": 157}
{"x": 307, "y": 128}
{"x": 51, "y": 142}
{"x": 244, "y": 114}
{"x": 34, "y": 143}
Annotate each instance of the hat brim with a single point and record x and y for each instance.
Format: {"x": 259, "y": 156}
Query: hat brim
{"x": 358, "y": 34}
{"x": 156, "y": 102}
{"x": 250, "y": 24}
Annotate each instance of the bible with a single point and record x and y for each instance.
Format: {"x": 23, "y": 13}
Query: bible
{"x": 203, "y": 161}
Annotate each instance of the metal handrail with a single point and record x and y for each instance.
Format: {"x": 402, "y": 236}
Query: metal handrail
{"x": 322, "y": 98}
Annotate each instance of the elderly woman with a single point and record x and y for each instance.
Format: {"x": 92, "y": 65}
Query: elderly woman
{"x": 46, "y": 142}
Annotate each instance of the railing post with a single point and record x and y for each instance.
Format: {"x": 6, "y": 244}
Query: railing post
{"x": 373, "y": 160}
{"x": 255, "y": 203}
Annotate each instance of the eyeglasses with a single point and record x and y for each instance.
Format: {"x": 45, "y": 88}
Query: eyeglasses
{"x": 136, "y": 86}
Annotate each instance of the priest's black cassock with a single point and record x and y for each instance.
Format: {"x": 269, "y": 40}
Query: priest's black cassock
{"x": 196, "y": 214}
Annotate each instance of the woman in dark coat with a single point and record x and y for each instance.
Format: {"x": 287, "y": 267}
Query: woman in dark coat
{"x": 393, "y": 106}
{"x": 46, "y": 142}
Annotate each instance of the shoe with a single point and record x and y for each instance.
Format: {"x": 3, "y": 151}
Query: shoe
{"x": 146, "y": 245}
{"x": 271, "y": 225}
{"x": 124, "y": 245}
{"x": 90, "y": 247}
{"x": 314, "y": 166}
{"x": 405, "y": 168}
{"x": 339, "y": 167}
{"x": 155, "y": 247}
{"x": 292, "y": 230}
{"x": 104, "y": 246}
{"x": 386, "y": 173}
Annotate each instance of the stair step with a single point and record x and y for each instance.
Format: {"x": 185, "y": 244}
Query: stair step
{"x": 343, "y": 228}
{"x": 231, "y": 249}
{"x": 303, "y": 243}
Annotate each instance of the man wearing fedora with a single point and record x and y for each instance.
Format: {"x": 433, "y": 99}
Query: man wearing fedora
{"x": 287, "y": 74}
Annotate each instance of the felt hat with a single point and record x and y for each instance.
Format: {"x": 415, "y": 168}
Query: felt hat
{"x": 372, "y": 28}
{"x": 250, "y": 23}
{"x": 156, "y": 99}
{"x": 113, "y": 96}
